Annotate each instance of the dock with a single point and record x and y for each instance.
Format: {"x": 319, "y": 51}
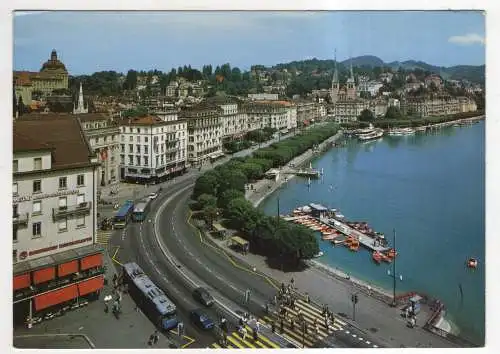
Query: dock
{"x": 304, "y": 172}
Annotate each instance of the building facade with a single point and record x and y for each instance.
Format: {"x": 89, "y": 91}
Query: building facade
{"x": 55, "y": 259}
{"x": 440, "y": 106}
{"x": 204, "y": 132}
{"x": 234, "y": 120}
{"x": 349, "y": 110}
{"x": 152, "y": 149}
{"x": 280, "y": 115}
{"x": 103, "y": 135}
{"x": 53, "y": 75}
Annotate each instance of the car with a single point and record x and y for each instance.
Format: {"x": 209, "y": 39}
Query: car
{"x": 152, "y": 196}
{"x": 203, "y": 296}
{"x": 201, "y": 319}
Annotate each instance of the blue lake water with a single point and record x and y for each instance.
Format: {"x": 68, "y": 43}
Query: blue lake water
{"x": 431, "y": 189}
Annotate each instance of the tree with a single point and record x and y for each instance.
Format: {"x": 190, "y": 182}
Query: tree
{"x": 130, "y": 80}
{"x": 393, "y": 113}
{"x": 227, "y": 196}
{"x": 210, "y": 213}
{"x": 366, "y": 116}
{"x": 206, "y": 200}
{"x": 206, "y": 184}
{"x": 138, "y": 111}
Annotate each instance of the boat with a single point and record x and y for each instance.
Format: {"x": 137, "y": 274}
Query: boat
{"x": 319, "y": 254}
{"x": 401, "y": 131}
{"x": 363, "y": 131}
{"x": 376, "y": 134}
{"x": 472, "y": 263}
{"x": 377, "y": 256}
{"x": 421, "y": 129}
{"x": 338, "y": 242}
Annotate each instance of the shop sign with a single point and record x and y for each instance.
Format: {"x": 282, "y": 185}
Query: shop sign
{"x": 26, "y": 198}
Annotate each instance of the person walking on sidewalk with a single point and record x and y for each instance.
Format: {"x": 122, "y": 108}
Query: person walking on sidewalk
{"x": 156, "y": 337}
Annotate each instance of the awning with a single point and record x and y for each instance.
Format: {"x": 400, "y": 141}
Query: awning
{"x": 67, "y": 268}
{"x": 55, "y": 297}
{"x": 91, "y": 261}
{"x": 240, "y": 241}
{"x": 22, "y": 281}
{"x": 90, "y": 285}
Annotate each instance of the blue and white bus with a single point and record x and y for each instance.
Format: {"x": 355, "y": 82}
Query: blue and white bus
{"x": 141, "y": 209}
{"x": 151, "y": 299}
{"x": 123, "y": 215}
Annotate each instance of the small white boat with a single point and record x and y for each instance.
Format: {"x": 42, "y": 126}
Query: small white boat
{"x": 319, "y": 254}
{"x": 376, "y": 134}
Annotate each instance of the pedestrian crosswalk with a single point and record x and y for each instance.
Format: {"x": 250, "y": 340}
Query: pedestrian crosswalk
{"x": 290, "y": 327}
{"x": 103, "y": 237}
{"x": 236, "y": 341}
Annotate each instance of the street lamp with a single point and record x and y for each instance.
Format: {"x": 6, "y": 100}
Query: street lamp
{"x": 393, "y": 304}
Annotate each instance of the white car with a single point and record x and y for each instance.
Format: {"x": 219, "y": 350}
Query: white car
{"x": 152, "y": 196}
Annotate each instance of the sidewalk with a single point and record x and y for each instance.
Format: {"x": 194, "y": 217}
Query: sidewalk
{"x": 373, "y": 315}
{"x": 130, "y": 331}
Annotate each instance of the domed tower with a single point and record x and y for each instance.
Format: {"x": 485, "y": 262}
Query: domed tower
{"x": 334, "y": 91}
{"x": 56, "y": 69}
{"x": 351, "y": 85}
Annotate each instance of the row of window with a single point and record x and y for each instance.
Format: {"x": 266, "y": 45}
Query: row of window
{"x": 37, "y": 205}
{"x": 104, "y": 139}
{"x": 36, "y": 227}
{"x": 145, "y": 159}
{"x": 159, "y": 130}
{"x": 63, "y": 184}
{"x": 138, "y": 149}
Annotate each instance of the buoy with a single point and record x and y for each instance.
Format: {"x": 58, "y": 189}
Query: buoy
{"x": 472, "y": 263}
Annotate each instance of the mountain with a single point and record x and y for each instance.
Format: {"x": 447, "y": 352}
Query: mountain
{"x": 473, "y": 73}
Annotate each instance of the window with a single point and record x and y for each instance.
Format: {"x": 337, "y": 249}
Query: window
{"x": 138, "y": 138}
{"x": 80, "y": 199}
{"x": 105, "y": 139}
{"x": 15, "y": 212}
{"x": 63, "y": 183}
{"x": 38, "y": 163}
{"x": 130, "y": 160}
{"x": 63, "y": 202}
{"x": 145, "y": 161}
{"x": 14, "y": 188}
{"x": 37, "y": 207}
{"x": 145, "y": 139}
{"x": 130, "y": 138}
{"x": 15, "y": 166}
{"x": 145, "y": 149}
{"x": 131, "y": 148}
{"x": 138, "y": 131}
{"x": 122, "y": 138}
{"x": 62, "y": 225}
{"x": 138, "y": 160}
{"x": 80, "y": 221}
{"x": 123, "y": 147}
{"x": 37, "y": 229}
{"x": 80, "y": 180}
{"x": 138, "y": 147}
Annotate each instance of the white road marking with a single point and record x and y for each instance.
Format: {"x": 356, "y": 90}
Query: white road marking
{"x": 375, "y": 346}
{"x": 368, "y": 342}
{"x": 346, "y": 331}
{"x": 354, "y": 335}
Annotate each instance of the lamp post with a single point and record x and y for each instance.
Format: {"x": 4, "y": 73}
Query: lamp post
{"x": 393, "y": 304}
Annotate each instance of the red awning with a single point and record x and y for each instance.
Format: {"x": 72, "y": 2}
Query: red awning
{"x": 55, "y": 297}
{"x": 22, "y": 281}
{"x": 91, "y": 261}
{"x": 67, "y": 268}
{"x": 90, "y": 285}
{"x": 44, "y": 275}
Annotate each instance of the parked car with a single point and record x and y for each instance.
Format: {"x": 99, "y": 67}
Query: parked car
{"x": 152, "y": 196}
{"x": 200, "y": 319}
{"x": 203, "y": 297}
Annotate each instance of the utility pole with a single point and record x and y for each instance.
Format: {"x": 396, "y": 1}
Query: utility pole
{"x": 394, "y": 270}
{"x": 354, "y": 299}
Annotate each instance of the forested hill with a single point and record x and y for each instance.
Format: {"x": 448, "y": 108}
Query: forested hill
{"x": 368, "y": 62}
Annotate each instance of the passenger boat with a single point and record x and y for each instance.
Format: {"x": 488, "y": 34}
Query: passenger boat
{"x": 377, "y": 256}
{"x": 376, "y": 134}
{"x": 401, "y": 131}
{"x": 472, "y": 263}
{"x": 338, "y": 242}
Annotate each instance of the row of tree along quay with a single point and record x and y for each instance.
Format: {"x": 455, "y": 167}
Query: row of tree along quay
{"x": 394, "y": 119}
{"x": 221, "y": 192}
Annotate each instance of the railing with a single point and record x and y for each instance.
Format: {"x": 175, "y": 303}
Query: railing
{"x": 78, "y": 209}
{"x": 21, "y": 219}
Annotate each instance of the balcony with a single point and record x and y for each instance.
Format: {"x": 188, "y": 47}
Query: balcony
{"x": 21, "y": 219}
{"x": 73, "y": 210}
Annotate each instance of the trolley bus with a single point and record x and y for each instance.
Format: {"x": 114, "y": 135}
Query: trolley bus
{"x": 140, "y": 210}
{"x": 152, "y": 300}
{"x": 123, "y": 215}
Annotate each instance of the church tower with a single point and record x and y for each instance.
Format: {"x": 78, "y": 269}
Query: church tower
{"x": 351, "y": 85}
{"x": 80, "y": 108}
{"x": 334, "y": 91}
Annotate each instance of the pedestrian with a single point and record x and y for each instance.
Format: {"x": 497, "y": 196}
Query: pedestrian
{"x": 151, "y": 339}
{"x": 305, "y": 327}
{"x": 243, "y": 333}
{"x": 326, "y": 323}
{"x": 241, "y": 322}
{"x": 156, "y": 337}
{"x": 275, "y": 300}
{"x": 292, "y": 282}
{"x": 316, "y": 329}
{"x": 292, "y": 303}
{"x": 255, "y": 335}
{"x": 323, "y": 310}
{"x": 281, "y": 325}
{"x": 308, "y": 299}
{"x": 273, "y": 327}
{"x": 267, "y": 308}
{"x": 257, "y": 325}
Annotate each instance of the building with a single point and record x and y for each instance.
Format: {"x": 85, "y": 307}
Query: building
{"x": 80, "y": 108}
{"x": 103, "y": 135}
{"x": 439, "y": 106}
{"x": 204, "y": 131}
{"x": 53, "y": 75}
{"x": 234, "y": 120}
{"x": 55, "y": 259}
{"x": 348, "y": 92}
{"x": 263, "y": 96}
{"x": 386, "y": 77}
{"x": 378, "y": 107}
{"x": 436, "y": 79}
{"x": 307, "y": 111}
{"x": 393, "y": 102}
{"x": 370, "y": 87}
{"x": 280, "y": 115}
{"x": 152, "y": 149}
{"x": 349, "y": 110}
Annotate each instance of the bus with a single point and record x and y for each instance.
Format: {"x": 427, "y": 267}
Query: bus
{"x": 140, "y": 210}
{"x": 151, "y": 299}
{"x": 123, "y": 215}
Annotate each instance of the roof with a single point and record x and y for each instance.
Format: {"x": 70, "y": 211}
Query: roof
{"x": 90, "y": 117}
{"x": 61, "y": 133}
{"x": 318, "y": 207}
{"x": 146, "y": 120}
{"x": 239, "y": 240}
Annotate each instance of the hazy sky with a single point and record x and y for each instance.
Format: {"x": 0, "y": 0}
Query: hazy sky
{"x": 93, "y": 41}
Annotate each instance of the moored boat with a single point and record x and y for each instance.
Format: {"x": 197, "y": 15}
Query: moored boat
{"x": 377, "y": 256}
{"x": 376, "y": 134}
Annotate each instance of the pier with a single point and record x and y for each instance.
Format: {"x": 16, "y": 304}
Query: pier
{"x": 304, "y": 172}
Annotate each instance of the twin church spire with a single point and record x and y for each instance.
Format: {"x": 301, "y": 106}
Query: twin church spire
{"x": 349, "y": 91}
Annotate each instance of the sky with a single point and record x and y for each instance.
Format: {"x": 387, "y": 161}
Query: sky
{"x": 87, "y": 42}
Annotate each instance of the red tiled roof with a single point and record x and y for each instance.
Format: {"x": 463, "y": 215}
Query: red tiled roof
{"x": 59, "y": 132}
